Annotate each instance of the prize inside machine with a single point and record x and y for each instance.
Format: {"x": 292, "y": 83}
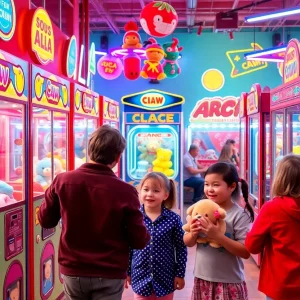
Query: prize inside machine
{"x": 258, "y": 111}
{"x": 86, "y": 121}
{"x": 153, "y": 137}
{"x": 50, "y": 113}
{"x": 243, "y": 136}
{"x": 12, "y": 200}
{"x": 13, "y": 176}
{"x": 110, "y": 115}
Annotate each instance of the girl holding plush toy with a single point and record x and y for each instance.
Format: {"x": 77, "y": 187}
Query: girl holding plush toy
{"x": 219, "y": 272}
{"x": 158, "y": 270}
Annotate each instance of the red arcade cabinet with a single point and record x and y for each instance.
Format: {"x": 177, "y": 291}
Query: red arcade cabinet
{"x": 243, "y": 136}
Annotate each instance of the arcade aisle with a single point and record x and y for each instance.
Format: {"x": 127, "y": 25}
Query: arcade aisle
{"x": 251, "y": 274}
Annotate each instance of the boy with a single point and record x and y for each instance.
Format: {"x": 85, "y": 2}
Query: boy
{"x": 100, "y": 221}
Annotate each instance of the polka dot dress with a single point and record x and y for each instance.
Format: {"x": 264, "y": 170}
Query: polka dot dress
{"x": 154, "y": 268}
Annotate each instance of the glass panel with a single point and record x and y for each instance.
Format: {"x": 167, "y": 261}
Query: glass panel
{"x": 60, "y": 138}
{"x": 267, "y": 145}
{"x": 81, "y": 132}
{"x": 11, "y": 153}
{"x": 37, "y": 3}
{"x": 53, "y": 9}
{"x": 253, "y": 157}
{"x": 242, "y": 148}
{"x": 92, "y": 126}
{"x": 42, "y": 147}
{"x": 277, "y": 120}
{"x": 293, "y": 125}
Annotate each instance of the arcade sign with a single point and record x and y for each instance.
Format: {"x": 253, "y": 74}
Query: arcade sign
{"x": 243, "y": 102}
{"x": 216, "y": 109}
{"x": 7, "y": 19}
{"x": 152, "y": 100}
{"x": 253, "y": 99}
{"x": 42, "y": 36}
{"x": 71, "y": 61}
{"x": 86, "y": 101}
{"x": 291, "y": 67}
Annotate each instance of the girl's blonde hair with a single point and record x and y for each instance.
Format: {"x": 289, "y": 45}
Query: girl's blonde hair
{"x": 287, "y": 177}
{"x": 166, "y": 183}
{"x": 226, "y": 153}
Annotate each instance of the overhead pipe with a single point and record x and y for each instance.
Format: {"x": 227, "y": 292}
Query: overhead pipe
{"x": 191, "y": 11}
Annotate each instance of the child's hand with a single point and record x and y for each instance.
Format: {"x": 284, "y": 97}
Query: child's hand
{"x": 209, "y": 228}
{"x": 195, "y": 227}
{"x": 127, "y": 282}
{"x": 179, "y": 283}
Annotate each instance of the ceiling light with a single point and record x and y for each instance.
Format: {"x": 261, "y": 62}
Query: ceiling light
{"x": 271, "y": 54}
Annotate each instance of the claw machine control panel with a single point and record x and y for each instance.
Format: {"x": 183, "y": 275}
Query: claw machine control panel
{"x": 153, "y": 129}
{"x": 110, "y": 115}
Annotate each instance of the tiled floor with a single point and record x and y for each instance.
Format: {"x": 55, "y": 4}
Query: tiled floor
{"x": 251, "y": 274}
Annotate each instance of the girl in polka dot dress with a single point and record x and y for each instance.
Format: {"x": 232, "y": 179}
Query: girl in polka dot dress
{"x": 158, "y": 270}
{"x": 219, "y": 272}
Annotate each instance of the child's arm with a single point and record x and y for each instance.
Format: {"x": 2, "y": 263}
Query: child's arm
{"x": 256, "y": 238}
{"x": 128, "y": 279}
{"x": 190, "y": 238}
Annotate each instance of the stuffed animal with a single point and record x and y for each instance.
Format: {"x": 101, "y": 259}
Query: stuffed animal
{"x": 142, "y": 147}
{"x": 59, "y": 163}
{"x": 152, "y": 146}
{"x": 131, "y": 37}
{"x": 210, "y": 154}
{"x": 213, "y": 211}
{"x": 6, "y": 194}
{"x": 153, "y": 68}
{"x": 163, "y": 163}
{"x": 43, "y": 172}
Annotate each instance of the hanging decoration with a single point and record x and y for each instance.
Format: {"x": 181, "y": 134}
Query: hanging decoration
{"x": 109, "y": 67}
{"x": 170, "y": 65}
{"x": 152, "y": 67}
{"x": 131, "y": 37}
{"x": 132, "y": 66}
{"x": 158, "y": 19}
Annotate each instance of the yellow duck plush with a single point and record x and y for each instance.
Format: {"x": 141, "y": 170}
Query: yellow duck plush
{"x": 211, "y": 210}
{"x": 163, "y": 163}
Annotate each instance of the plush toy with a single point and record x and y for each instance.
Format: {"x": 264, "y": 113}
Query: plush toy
{"x": 210, "y": 154}
{"x": 6, "y": 194}
{"x": 43, "y": 172}
{"x": 79, "y": 145}
{"x": 213, "y": 211}
{"x": 152, "y": 68}
{"x": 131, "y": 38}
{"x": 163, "y": 163}
{"x": 152, "y": 146}
{"x": 142, "y": 147}
{"x": 59, "y": 163}
{"x": 170, "y": 65}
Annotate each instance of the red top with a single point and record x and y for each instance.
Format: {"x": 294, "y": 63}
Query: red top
{"x": 276, "y": 230}
{"x": 101, "y": 219}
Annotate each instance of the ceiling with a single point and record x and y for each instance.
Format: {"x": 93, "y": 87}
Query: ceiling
{"x": 112, "y": 15}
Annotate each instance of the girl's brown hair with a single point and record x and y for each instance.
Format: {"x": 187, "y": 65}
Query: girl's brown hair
{"x": 167, "y": 184}
{"x": 287, "y": 177}
{"x": 226, "y": 153}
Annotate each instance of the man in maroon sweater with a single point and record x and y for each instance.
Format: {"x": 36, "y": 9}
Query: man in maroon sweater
{"x": 101, "y": 220}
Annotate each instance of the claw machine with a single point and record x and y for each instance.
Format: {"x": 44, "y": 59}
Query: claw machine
{"x": 110, "y": 114}
{"x": 258, "y": 144}
{"x": 13, "y": 176}
{"x": 86, "y": 121}
{"x": 153, "y": 123}
{"x": 50, "y": 116}
{"x": 285, "y": 107}
{"x": 243, "y": 136}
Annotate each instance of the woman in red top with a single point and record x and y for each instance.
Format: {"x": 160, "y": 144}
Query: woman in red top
{"x": 276, "y": 231}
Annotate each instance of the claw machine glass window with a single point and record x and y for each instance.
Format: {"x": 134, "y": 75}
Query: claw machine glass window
{"x": 253, "y": 163}
{"x": 11, "y": 153}
{"x": 243, "y": 148}
{"x": 293, "y": 129}
{"x": 277, "y": 136}
{"x": 267, "y": 143}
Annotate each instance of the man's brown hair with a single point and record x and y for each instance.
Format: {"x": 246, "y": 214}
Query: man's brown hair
{"x": 105, "y": 145}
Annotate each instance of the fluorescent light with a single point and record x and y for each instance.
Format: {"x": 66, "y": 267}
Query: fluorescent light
{"x": 100, "y": 53}
{"x": 265, "y": 52}
{"x": 265, "y": 59}
{"x": 273, "y": 15}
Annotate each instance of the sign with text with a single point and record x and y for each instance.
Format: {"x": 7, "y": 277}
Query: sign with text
{"x": 153, "y": 118}
{"x": 86, "y": 101}
{"x": 291, "y": 67}
{"x": 216, "y": 109}
{"x": 111, "y": 109}
{"x": 7, "y": 19}
{"x": 242, "y": 106}
{"x": 253, "y": 99}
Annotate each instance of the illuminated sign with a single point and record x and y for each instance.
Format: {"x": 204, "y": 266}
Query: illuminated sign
{"x": 253, "y": 99}
{"x": 152, "y": 118}
{"x": 291, "y": 68}
{"x": 71, "y": 61}
{"x": 42, "y": 36}
{"x": 216, "y": 109}
{"x": 242, "y": 106}
{"x": 86, "y": 101}
{"x": 109, "y": 67}
{"x": 7, "y": 19}
{"x": 111, "y": 109}
{"x": 153, "y": 100}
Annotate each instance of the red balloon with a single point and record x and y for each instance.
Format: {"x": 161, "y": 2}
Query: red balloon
{"x": 158, "y": 19}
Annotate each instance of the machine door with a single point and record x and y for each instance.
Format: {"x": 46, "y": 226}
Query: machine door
{"x": 293, "y": 129}
{"x": 266, "y": 158}
{"x": 243, "y": 149}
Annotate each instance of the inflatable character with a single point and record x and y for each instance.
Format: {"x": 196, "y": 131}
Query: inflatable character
{"x": 131, "y": 38}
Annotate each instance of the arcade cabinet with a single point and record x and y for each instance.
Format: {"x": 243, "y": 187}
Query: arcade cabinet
{"x": 243, "y": 136}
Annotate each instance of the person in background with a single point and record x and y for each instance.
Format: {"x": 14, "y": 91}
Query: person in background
{"x": 275, "y": 232}
{"x": 235, "y": 155}
{"x": 192, "y": 172}
{"x": 158, "y": 270}
{"x": 226, "y": 154}
{"x": 101, "y": 221}
{"x": 219, "y": 272}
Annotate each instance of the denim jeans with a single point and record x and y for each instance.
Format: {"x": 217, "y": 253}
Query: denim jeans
{"x": 92, "y": 288}
{"x": 197, "y": 183}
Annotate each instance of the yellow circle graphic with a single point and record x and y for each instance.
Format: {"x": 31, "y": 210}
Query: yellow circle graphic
{"x": 213, "y": 80}
{"x": 77, "y": 99}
